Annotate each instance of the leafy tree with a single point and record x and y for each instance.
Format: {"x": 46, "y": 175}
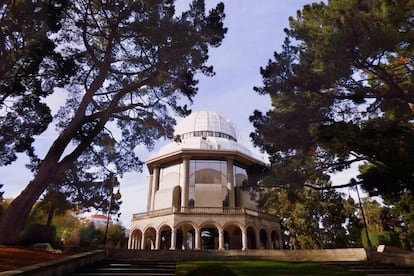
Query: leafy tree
{"x": 342, "y": 92}
{"x": 29, "y": 71}
{"x": 313, "y": 219}
{"x": 90, "y": 236}
{"x": 76, "y": 195}
{"x": 403, "y": 208}
{"x": 136, "y": 62}
{"x": 384, "y": 227}
{"x": 117, "y": 236}
{"x": 54, "y": 202}
{"x": 67, "y": 229}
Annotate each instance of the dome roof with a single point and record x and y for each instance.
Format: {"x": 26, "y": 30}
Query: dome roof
{"x": 209, "y": 121}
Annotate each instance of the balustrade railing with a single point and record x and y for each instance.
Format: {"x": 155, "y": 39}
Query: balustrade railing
{"x": 200, "y": 210}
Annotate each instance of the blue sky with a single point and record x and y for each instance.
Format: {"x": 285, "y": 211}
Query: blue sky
{"x": 255, "y": 31}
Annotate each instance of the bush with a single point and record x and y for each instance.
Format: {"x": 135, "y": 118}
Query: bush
{"x": 38, "y": 233}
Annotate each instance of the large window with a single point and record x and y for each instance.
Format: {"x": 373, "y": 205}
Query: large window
{"x": 208, "y": 183}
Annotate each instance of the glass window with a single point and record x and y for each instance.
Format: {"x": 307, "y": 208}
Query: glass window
{"x": 208, "y": 172}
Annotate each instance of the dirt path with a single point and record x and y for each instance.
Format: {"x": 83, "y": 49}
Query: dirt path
{"x": 12, "y": 257}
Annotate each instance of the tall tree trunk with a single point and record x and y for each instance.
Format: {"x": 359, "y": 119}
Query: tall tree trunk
{"x": 16, "y": 215}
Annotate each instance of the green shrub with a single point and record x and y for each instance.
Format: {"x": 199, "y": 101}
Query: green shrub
{"x": 38, "y": 233}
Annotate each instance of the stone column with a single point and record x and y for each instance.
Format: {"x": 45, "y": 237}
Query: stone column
{"x": 197, "y": 239}
{"x": 149, "y": 196}
{"x": 130, "y": 242}
{"x": 155, "y": 184}
{"x": 230, "y": 182}
{"x": 221, "y": 239}
{"x": 186, "y": 175}
{"x": 280, "y": 237}
{"x": 138, "y": 243}
{"x": 269, "y": 241}
{"x": 157, "y": 240}
{"x": 142, "y": 242}
{"x": 244, "y": 239}
{"x": 173, "y": 239}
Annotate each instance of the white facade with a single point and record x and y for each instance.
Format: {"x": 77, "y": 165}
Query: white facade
{"x": 195, "y": 196}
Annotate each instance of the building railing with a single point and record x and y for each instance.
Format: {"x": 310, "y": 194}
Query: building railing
{"x": 202, "y": 210}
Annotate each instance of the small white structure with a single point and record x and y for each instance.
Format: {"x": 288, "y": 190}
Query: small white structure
{"x": 195, "y": 196}
{"x": 98, "y": 220}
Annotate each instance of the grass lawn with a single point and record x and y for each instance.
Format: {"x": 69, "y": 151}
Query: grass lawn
{"x": 259, "y": 268}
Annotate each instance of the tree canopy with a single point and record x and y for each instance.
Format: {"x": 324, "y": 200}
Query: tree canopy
{"x": 342, "y": 92}
{"x": 135, "y": 65}
{"x": 29, "y": 70}
{"x": 312, "y": 219}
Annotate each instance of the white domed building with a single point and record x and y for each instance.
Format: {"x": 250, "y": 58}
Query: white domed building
{"x": 195, "y": 195}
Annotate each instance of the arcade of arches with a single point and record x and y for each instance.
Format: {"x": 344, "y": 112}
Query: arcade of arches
{"x": 209, "y": 235}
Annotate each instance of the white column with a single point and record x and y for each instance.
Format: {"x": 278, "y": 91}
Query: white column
{"x": 185, "y": 193}
{"x": 137, "y": 243}
{"x": 197, "y": 239}
{"x": 149, "y": 197}
{"x": 143, "y": 241}
{"x": 173, "y": 240}
{"x": 230, "y": 182}
{"x": 155, "y": 184}
{"x": 157, "y": 240}
{"x": 221, "y": 239}
{"x": 244, "y": 239}
{"x": 130, "y": 241}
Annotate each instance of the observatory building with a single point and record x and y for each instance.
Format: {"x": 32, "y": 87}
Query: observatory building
{"x": 196, "y": 198}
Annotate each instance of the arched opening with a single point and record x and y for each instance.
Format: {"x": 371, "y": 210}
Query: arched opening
{"x": 185, "y": 236}
{"x": 232, "y": 237}
{"x": 209, "y": 238}
{"x": 275, "y": 240}
{"x": 135, "y": 239}
{"x": 149, "y": 238}
{"x": 165, "y": 238}
{"x": 251, "y": 238}
{"x": 176, "y": 198}
{"x": 263, "y": 239}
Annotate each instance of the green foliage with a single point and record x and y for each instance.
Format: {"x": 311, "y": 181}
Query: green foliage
{"x": 403, "y": 208}
{"x": 29, "y": 70}
{"x": 387, "y": 225}
{"x": 314, "y": 219}
{"x": 89, "y": 236}
{"x": 67, "y": 230}
{"x": 39, "y": 233}
{"x": 117, "y": 237}
{"x": 342, "y": 92}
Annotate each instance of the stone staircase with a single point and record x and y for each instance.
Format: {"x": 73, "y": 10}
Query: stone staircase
{"x": 136, "y": 267}
{"x": 157, "y": 263}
